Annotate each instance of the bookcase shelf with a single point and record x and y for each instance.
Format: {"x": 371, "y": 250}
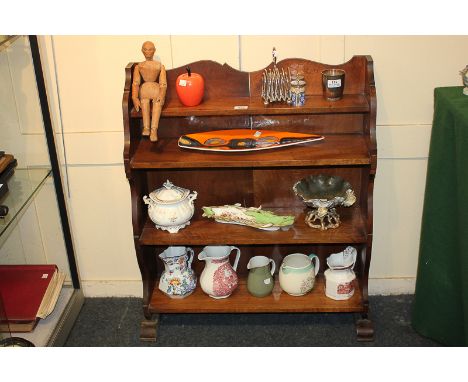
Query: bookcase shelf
{"x": 204, "y": 231}
{"x": 241, "y": 301}
{"x": 334, "y": 150}
{"x": 314, "y": 104}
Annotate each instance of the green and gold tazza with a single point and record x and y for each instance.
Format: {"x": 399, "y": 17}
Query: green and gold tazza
{"x": 250, "y": 216}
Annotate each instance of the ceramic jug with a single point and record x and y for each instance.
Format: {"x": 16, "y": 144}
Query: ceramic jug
{"x": 297, "y": 273}
{"x": 219, "y": 278}
{"x": 178, "y": 279}
{"x": 260, "y": 281}
{"x": 339, "y": 279}
{"x": 339, "y": 284}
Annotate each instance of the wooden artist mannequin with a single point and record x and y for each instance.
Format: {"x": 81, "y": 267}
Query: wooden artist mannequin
{"x": 152, "y": 89}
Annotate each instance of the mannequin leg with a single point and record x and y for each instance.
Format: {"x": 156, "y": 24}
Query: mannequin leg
{"x": 155, "y": 121}
{"x": 145, "y": 111}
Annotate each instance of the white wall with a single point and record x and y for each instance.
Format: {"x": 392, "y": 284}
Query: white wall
{"x": 87, "y": 72}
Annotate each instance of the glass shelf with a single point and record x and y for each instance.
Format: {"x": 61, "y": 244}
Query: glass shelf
{"x": 22, "y": 186}
{"x": 6, "y": 41}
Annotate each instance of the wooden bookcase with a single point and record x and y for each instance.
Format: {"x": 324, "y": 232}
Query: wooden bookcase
{"x": 257, "y": 178}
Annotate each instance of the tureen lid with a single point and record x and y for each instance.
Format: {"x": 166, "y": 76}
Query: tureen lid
{"x": 169, "y": 193}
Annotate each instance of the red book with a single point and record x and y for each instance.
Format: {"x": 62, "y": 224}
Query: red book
{"x": 22, "y": 289}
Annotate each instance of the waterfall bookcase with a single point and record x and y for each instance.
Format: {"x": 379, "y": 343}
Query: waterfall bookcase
{"x": 258, "y": 178}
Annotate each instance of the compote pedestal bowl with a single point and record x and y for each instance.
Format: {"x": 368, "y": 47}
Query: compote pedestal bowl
{"x": 323, "y": 193}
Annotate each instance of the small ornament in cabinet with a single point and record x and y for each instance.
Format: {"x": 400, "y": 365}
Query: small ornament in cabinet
{"x": 260, "y": 281}
{"x": 323, "y": 193}
{"x": 178, "y": 280}
{"x": 252, "y": 216}
{"x": 190, "y": 88}
{"x": 149, "y": 86}
{"x": 297, "y": 273}
{"x": 170, "y": 207}
{"x": 219, "y": 278}
{"x": 339, "y": 279}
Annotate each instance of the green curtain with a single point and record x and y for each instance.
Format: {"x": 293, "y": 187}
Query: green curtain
{"x": 440, "y": 308}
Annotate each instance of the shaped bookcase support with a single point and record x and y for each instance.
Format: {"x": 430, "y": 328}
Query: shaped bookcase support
{"x": 256, "y": 178}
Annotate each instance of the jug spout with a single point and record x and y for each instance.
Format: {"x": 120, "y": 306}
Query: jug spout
{"x": 261, "y": 264}
{"x": 202, "y": 255}
{"x": 286, "y": 269}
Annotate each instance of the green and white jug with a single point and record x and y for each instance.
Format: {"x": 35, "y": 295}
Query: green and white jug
{"x": 297, "y": 273}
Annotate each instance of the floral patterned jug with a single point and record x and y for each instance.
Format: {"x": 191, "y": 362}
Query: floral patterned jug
{"x": 219, "y": 278}
{"x": 178, "y": 279}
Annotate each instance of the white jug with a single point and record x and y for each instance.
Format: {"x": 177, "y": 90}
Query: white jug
{"x": 339, "y": 279}
{"x": 339, "y": 284}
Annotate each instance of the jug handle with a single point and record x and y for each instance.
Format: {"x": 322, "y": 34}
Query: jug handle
{"x": 237, "y": 258}
{"x": 273, "y": 266}
{"x": 317, "y": 262}
{"x": 192, "y": 253}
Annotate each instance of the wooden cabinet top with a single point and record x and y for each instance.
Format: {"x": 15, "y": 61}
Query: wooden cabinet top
{"x": 227, "y": 88}
{"x": 232, "y": 99}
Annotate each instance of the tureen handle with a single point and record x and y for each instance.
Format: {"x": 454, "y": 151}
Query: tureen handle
{"x": 192, "y": 196}
{"x": 147, "y": 200}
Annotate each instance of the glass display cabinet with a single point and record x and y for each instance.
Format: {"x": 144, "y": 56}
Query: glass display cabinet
{"x": 34, "y": 226}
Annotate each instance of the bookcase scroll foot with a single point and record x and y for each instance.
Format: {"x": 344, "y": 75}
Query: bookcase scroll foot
{"x": 149, "y": 329}
{"x": 364, "y": 329}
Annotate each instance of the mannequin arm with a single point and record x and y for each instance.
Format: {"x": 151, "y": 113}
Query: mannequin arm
{"x": 162, "y": 85}
{"x": 136, "y": 88}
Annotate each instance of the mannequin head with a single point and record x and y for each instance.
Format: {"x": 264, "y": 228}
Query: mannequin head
{"x": 148, "y": 49}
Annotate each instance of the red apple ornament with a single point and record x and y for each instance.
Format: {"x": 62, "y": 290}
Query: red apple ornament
{"x": 190, "y": 87}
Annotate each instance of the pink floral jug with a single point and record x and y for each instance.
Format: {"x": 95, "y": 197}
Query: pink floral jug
{"x": 219, "y": 278}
